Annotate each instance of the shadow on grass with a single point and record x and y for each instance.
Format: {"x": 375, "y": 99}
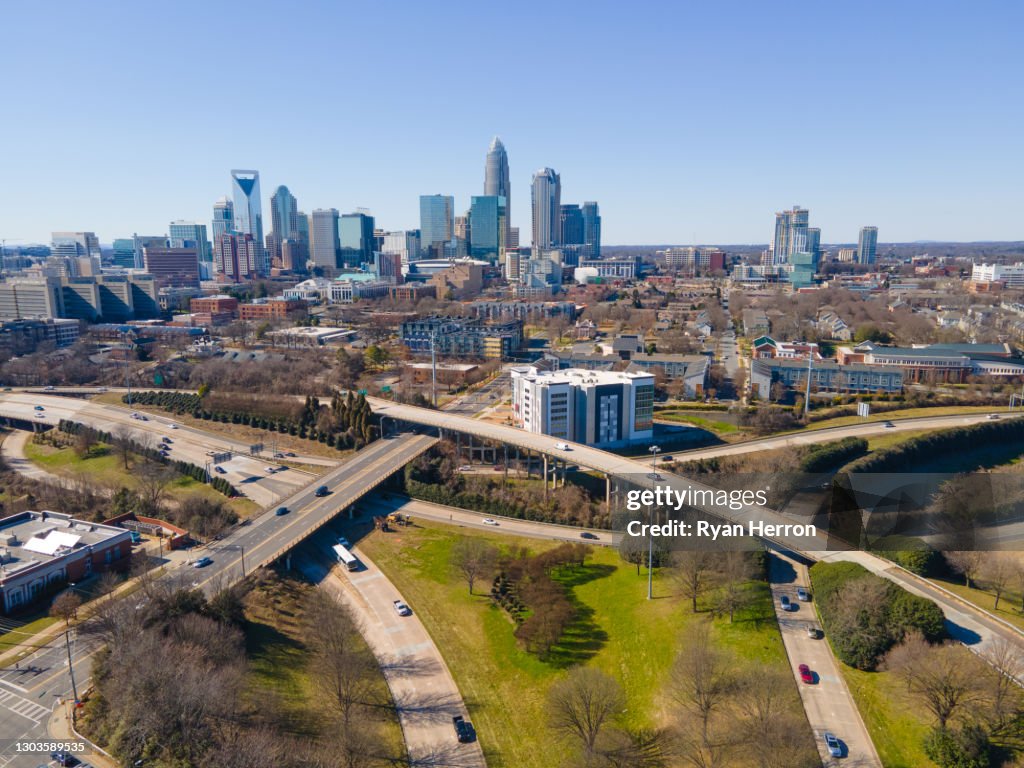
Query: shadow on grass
{"x": 278, "y": 662}
{"x": 583, "y": 638}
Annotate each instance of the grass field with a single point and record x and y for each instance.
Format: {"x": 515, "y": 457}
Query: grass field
{"x": 897, "y": 725}
{"x": 617, "y": 631}
{"x": 1009, "y": 605}
{"x": 280, "y": 662}
{"x": 713, "y": 425}
{"x": 903, "y": 413}
{"x": 17, "y": 635}
{"x": 105, "y": 468}
{"x": 879, "y": 442}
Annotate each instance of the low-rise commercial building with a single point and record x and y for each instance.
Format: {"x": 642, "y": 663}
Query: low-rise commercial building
{"x": 462, "y": 337}
{"x": 272, "y": 309}
{"x": 826, "y": 376}
{"x": 42, "y": 551}
{"x": 936, "y": 362}
{"x": 597, "y": 408}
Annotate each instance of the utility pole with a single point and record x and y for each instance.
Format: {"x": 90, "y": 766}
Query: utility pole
{"x": 71, "y": 668}
{"x": 807, "y": 394}
{"x": 433, "y": 367}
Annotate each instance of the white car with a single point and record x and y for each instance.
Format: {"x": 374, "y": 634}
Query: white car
{"x": 489, "y": 521}
{"x": 173, "y": 426}
{"x": 401, "y": 608}
{"x": 270, "y": 470}
{"x": 563, "y": 446}
{"x": 465, "y": 468}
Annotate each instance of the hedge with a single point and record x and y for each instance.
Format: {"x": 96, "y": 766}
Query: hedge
{"x": 825, "y": 456}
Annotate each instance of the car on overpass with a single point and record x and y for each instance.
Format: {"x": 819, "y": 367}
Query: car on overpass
{"x": 40, "y": 408}
{"x": 281, "y": 511}
{"x": 563, "y": 446}
{"x": 323, "y": 490}
{"x": 202, "y": 562}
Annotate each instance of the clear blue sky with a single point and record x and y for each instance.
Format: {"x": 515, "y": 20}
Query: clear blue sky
{"x": 687, "y": 121}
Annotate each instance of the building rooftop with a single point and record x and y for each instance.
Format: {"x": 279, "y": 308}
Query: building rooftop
{"x": 33, "y": 538}
{"x": 579, "y": 376}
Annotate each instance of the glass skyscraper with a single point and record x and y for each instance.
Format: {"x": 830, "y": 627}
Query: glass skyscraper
{"x": 437, "y": 222}
{"x": 790, "y": 234}
{"x": 355, "y": 239}
{"x": 546, "y": 192}
{"x": 488, "y": 226}
{"x": 570, "y": 223}
{"x": 191, "y": 234}
{"x": 223, "y": 218}
{"x": 497, "y": 180}
{"x": 323, "y": 250}
{"x": 591, "y": 230}
{"x": 867, "y": 245}
{"x": 284, "y": 214}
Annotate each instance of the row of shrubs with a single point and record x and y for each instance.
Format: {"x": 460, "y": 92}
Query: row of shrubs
{"x": 822, "y": 457}
{"x": 866, "y": 615}
{"x": 152, "y": 454}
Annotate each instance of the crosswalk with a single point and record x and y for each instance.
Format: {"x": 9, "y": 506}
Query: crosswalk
{"x": 19, "y": 705}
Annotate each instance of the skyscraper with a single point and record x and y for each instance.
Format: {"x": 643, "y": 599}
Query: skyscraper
{"x": 546, "y": 192}
{"x": 591, "y": 230}
{"x": 245, "y": 188}
{"x": 323, "y": 250}
{"x": 496, "y": 178}
{"x": 570, "y": 225}
{"x": 191, "y": 234}
{"x": 790, "y": 234}
{"x": 223, "y": 218}
{"x": 284, "y": 214}
{"x": 867, "y": 245}
{"x": 488, "y": 227}
{"x": 814, "y": 242}
{"x": 405, "y": 243}
{"x": 236, "y": 257}
{"x": 74, "y": 244}
{"x": 355, "y": 239}
{"x": 437, "y": 223}
{"x": 124, "y": 253}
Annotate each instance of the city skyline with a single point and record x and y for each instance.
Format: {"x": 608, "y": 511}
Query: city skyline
{"x": 685, "y": 151}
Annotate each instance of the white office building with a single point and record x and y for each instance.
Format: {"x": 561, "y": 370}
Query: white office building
{"x": 1010, "y": 275}
{"x": 598, "y": 408}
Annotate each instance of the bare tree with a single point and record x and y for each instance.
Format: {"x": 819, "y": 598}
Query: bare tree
{"x": 474, "y": 558}
{"x": 943, "y": 678}
{"x": 966, "y": 562}
{"x": 153, "y": 481}
{"x": 65, "y": 606}
{"x": 122, "y": 437}
{"x": 582, "y": 704}
{"x": 1005, "y": 696}
{"x": 735, "y": 570}
{"x": 693, "y": 570}
{"x": 701, "y": 677}
{"x": 998, "y": 571}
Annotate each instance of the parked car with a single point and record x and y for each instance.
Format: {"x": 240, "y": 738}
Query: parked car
{"x": 202, "y": 562}
{"x": 280, "y": 511}
{"x": 834, "y": 747}
{"x": 323, "y": 490}
{"x": 803, "y": 595}
{"x": 63, "y": 758}
{"x": 220, "y": 470}
{"x": 401, "y": 608}
{"x": 463, "y": 729}
{"x": 805, "y": 674}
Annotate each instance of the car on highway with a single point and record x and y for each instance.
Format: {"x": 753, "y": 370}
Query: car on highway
{"x": 835, "y": 749}
{"x": 220, "y": 470}
{"x": 290, "y": 455}
{"x": 463, "y": 729}
{"x": 489, "y": 521}
{"x": 39, "y": 408}
{"x": 805, "y": 674}
{"x": 465, "y": 468}
{"x": 40, "y": 416}
{"x": 498, "y": 468}
{"x": 270, "y": 470}
{"x": 166, "y": 439}
{"x": 401, "y": 608}
{"x": 588, "y": 535}
{"x": 786, "y": 604}
{"x": 101, "y": 389}
{"x": 202, "y": 562}
{"x": 812, "y": 632}
{"x": 563, "y": 446}
{"x": 49, "y": 388}
{"x": 281, "y": 511}
{"x": 889, "y": 425}
{"x": 803, "y": 595}
{"x": 323, "y": 490}
{"x": 278, "y": 455}
{"x": 344, "y": 542}
{"x": 173, "y": 426}
{"x": 993, "y": 417}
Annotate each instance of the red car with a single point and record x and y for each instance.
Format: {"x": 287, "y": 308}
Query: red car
{"x": 805, "y": 674}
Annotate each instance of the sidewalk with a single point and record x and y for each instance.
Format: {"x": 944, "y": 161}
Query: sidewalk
{"x": 60, "y": 729}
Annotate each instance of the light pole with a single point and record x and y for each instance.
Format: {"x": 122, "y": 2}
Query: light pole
{"x": 650, "y": 534}
{"x": 807, "y": 394}
{"x": 654, "y": 449}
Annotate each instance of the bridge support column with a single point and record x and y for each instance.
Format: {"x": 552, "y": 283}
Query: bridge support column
{"x": 608, "y": 493}
{"x": 545, "y": 470}
{"x": 506, "y": 463}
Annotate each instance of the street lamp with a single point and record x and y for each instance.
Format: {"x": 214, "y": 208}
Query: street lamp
{"x": 654, "y": 449}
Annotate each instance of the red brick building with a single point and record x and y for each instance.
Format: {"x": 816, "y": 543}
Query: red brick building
{"x": 273, "y": 309}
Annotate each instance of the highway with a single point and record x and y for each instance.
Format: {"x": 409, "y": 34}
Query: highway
{"x": 827, "y": 701}
{"x": 248, "y": 474}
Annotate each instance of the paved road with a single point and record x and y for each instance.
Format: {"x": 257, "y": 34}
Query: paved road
{"x": 248, "y": 474}
{"x": 422, "y": 687}
{"x": 828, "y": 702}
{"x": 13, "y": 452}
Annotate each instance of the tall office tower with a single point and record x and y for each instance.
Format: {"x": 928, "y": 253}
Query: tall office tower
{"x": 388, "y": 267}
{"x": 814, "y": 242}
{"x": 237, "y": 257}
{"x": 790, "y": 234}
{"x": 497, "y": 180}
{"x": 513, "y": 238}
{"x": 302, "y": 227}
{"x": 570, "y": 225}
{"x": 591, "y": 231}
{"x": 355, "y": 239}
{"x": 245, "y": 189}
{"x": 323, "y": 250}
{"x": 124, "y": 253}
{"x": 284, "y": 214}
{"x": 174, "y": 267}
{"x": 223, "y": 218}
{"x": 488, "y": 227}
{"x": 547, "y": 203}
{"x": 405, "y": 243}
{"x": 867, "y": 245}
{"x": 437, "y": 223}
{"x": 294, "y": 254}
{"x": 142, "y": 242}
{"x": 191, "y": 234}
{"x": 74, "y": 244}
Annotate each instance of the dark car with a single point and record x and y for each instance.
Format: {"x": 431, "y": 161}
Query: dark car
{"x": 588, "y": 535}
{"x": 281, "y": 511}
{"x": 63, "y": 758}
{"x": 323, "y": 490}
{"x": 463, "y": 729}
{"x": 202, "y": 562}
{"x": 220, "y": 470}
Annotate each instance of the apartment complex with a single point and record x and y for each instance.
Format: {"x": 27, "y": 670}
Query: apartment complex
{"x": 593, "y": 407}
{"x": 462, "y": 337}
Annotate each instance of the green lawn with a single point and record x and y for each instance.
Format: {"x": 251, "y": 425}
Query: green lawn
{"x": 1009, "y": 605}
{"x": 105, "y": 467}
{"x": 879, "y": 442}
{"x": 721, "y": 427}
{"x": 16, "y": 637}
{"x": 897, "y": 726}
{"x": 618, "y": 631}
{"x": 903, "y": 413}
